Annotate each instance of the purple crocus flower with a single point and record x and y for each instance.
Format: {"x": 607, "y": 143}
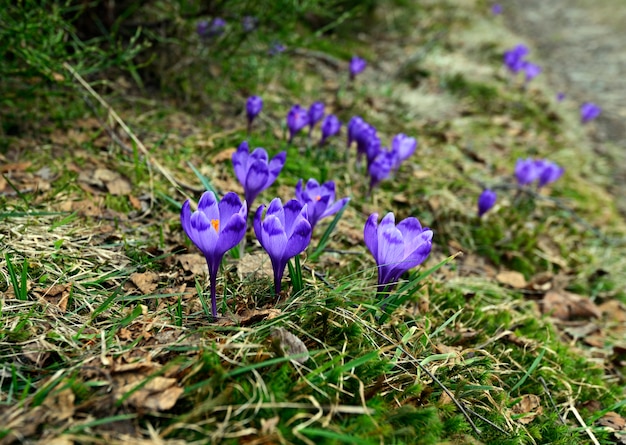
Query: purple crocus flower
{"x": 380, "y": 168}
{"x": 486, "y": 201}
{"x": 532, "y": 70}
{"x": 354, "y": 125}
{"x": 249, "y": 23}
{"x": 357, "y": 65}
{"x": 514, "y": 58}
{"x": 526, "y": 171}
{"x": 330, "y": 127}
{"x": 255, "y": 171}
{"x": 402, "y": 147}
{"x": 548, "y": 172}
{"x": 316, "y": 113}
{"x": 215, "y": 228}
{"x": 589, "y": 111}
{"x": 297, "y": 119}
{"x": 254, "y": 105}
{"x": 560, "y": 97}
{"x": 496, "y": 9}
{"x": 320, "y": 200}
{"x": 276, "y": 48}
{"x": 284, "y": 233}
{"x": 210, "y": 29}
{"x": 396, "y": 249}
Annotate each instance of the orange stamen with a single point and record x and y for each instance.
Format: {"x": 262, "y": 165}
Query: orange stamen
{"x": 216, "y": 224}
{"x": 318, "y": 197}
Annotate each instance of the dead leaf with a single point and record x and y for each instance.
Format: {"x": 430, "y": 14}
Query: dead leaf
{"x": 541, "y": 282}
{"x": 224, "y": 155}
{"x": 529, "y": 406}
{"x": 568, "y": 306}
{"x": 614, "y": 310}
{"x": 613, "y": 421}
{"x": 157, "y": 394}
{"x": 57, "y": 295}
{"x": 254, "y": 265}
{"x": 193, "y": 262}
{"x": 60, "y": 404}
{"x": 249, "y": 317}
{"x": 146, "y": 282}
{"x": 287, "y": 344}
{"x": 511, "y": 278}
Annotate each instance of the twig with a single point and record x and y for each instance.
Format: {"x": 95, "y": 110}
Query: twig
{"x": 545, "y": 388}
{"x": 582, "y": 423}
{"x": 129, "y": 132}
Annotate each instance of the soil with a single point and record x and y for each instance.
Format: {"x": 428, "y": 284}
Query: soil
{"x": 580, "y": 43}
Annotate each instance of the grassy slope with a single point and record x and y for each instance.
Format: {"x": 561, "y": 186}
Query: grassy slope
{"x": 110, "y": 365}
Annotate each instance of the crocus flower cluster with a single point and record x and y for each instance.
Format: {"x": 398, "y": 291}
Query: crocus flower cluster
{"x": 589, "y": 111}
{"x": 515, "y": 61}
{"x": 211, "y": 29}
{"x": 396, "y": 248}
{"x": 298, "y": 118}
{"x": 543, "y": 171}
{"x": 381, "y": 161}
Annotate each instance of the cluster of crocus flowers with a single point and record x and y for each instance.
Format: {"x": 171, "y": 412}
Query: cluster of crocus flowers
{"x": 319, "y": 199}
{"x": 357, "y": 65}
{"x": 214, "y": 28}
{"x": 284, "y": 232}
{"x": 381, "y": 161}
{"x": 542, "y": 171}
{"x": 515, "y": 61}
{"x": 215, "y": 227}
{"x": 396, "y": 248}
{"x": 255, "y": 171}
{"x": 486, "y": 201}
{"x": 589, "y": 111}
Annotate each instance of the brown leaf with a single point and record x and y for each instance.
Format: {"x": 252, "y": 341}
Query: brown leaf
{"x": 249, "y": 317}
{"x": 60, "y": 404}
{"x": 530, "y": 406}
{"x": 194, "y": 263}
{"x": 146, "y": 282}
{"x": 157, "y": 394}
{"x": 57, "y": 295}
{"x": 224, "y": 155}
{"x": 511, "y": 278}
{"x": 568, "y": 306}
{"x": 613, "y": 310}
{"x": 287, "y": 344}
{"x": 541, "y": 282}
{"x": 612, "y": 420}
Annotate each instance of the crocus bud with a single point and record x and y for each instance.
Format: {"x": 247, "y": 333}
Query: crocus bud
{"x": 486, "y": 201}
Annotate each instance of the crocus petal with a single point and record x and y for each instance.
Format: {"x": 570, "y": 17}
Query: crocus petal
{"x": 256, "y": 180}
{"x": 240, "y": 161}
{"x": 276, "y": 208}
{"x": 232, "y": 234}
{"x": 275, "y": 237}
{"x": 331, "y": 210}
{"x": 390, "y": 246}
{"x": 275, "y": 166}
{"x": 256, "y": 224}
{"x": 370, "y": 235}
{"x": 208, "y": 205}
{"x": 299, "y": 239}
{"x": 203, "y": 235}
{"x": 229, "y": 206}
{"x": 185, "y": 218}
{"x": 292, "y": 210}
{"x": 411, "y": 229}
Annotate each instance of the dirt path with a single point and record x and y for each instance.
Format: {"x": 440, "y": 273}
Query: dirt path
{"x": 581, "y": 43}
